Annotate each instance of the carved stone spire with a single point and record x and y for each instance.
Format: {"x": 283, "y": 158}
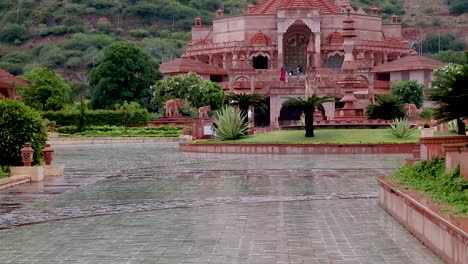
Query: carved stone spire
{"x": 348, "y": 44}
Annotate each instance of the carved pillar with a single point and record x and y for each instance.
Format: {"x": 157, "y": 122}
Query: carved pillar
{"x": 280, "y": 50}
{"x": 317, "y": 50}
{"x": 372, "y": 59}
{"x": 252, "y": 84}
{"x": 385, "y": 58}
{"x": 231, "y": 83}
{"x": 224, "y": 61}
{"x": 210, "y": 58}
{"x": 234, "y": 59}
{"x": 275, "y": 108}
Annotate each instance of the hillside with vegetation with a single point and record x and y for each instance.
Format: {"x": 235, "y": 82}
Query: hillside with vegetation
{"x": 70, "y": 35}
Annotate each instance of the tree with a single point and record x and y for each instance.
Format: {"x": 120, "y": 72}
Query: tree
{"x": 50, "y": 91}
{"x": 14, "y": 34}
{"x": 450, "y": 56}
{"x": 125, "y": 74}
{"x": 308, "y": 107}
{"x": 450, "y": 90}
{"x": 408, "y": 92}
{"x": 435, "y": 43}
{"x": 386, "y": 107}
{"x": 244, "y": 101}
{"x": 19, "y": 124}
{"x": 190, "y": 88}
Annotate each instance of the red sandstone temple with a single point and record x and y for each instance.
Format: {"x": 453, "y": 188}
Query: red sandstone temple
{"x": 8, "y": 82}
{"x": 290, "y": 48}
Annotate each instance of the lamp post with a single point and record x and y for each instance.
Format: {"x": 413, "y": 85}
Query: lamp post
{"x": 27, "y": 154}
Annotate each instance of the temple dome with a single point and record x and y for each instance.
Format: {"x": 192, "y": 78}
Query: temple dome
{"x": 271, "y": 6}
{"x": 335, "y": 38}
{"x": 260, "y": 39}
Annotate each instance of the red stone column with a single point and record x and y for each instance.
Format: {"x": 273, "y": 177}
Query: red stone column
{"x": 431, "y": 147}
{"x": 457, "y": 154}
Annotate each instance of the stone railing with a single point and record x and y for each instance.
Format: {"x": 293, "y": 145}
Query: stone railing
{"x": 209, "y": 46}
{"x": 431, "y": 147}
{"x": 442, "y": 233}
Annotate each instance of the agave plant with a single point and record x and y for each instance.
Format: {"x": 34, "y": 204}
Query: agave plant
{"x": 401, "y": 128}
{"x": 229, "y": 123}
{"x": 452, "y": 126}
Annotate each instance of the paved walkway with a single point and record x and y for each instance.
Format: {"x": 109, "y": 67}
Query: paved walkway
{"x": 149, "y": 203}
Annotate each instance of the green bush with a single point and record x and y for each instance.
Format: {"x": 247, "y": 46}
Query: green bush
{"x": 113, "y": 131}
{"x": 139, "y": 33}
{"x": 443, "y": 187}
{"x": 229, "y": 123}
{"x": 14, "y": 34}
{"x": 19, "y": 124}
{"x": 400, "y": 128}
{"x": 97, "y": 117}
{"x": 67, "y": 130}
{"x": 386, "y": 107}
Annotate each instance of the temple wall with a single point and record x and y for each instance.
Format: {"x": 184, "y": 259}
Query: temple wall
{"x": 265, "y": 24}
{"x": 229, "y": 29}
{"x": 202, "y": 32}
{"x": 242, "y": 28}
{"x": 392, "y": 30}
{"x": 417, "y": 76}
{"x": 366, "y": 27}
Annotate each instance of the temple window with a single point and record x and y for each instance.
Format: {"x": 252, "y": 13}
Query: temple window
{"x": 295, "y": 52}
{"x": 335, "y": 61}
{"x": 260, "y": 62}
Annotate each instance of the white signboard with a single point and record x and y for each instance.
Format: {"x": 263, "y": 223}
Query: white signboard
{"x": 207, "y": 130}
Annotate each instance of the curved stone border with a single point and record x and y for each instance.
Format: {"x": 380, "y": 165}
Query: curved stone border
{"x": 298, "y": 148}
{"x": 14, "y": 180}
{"x": 110, "y": 140}
{"x": 441, "y": 235}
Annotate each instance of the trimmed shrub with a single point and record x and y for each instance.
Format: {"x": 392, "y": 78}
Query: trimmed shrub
{"x": 98, "y": 117}
{"x": 19, "y": 124}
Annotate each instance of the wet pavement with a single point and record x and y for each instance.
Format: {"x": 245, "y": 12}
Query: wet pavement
{"x": 149, "y": 203}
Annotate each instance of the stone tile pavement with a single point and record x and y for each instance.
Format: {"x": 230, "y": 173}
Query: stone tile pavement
{"x": 149, "y": 203}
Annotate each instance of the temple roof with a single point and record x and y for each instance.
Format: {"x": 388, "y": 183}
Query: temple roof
{"x": 186, "y": 65}
{"x": 271, "y": 6}
{"x": 410, "y": 63}
{"x": 7, "y": 78}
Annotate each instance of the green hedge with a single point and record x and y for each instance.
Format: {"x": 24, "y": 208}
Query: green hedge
{"x": 97, "y": 117}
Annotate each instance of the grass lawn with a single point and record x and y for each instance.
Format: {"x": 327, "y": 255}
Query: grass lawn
{"x": 323, "y": 136}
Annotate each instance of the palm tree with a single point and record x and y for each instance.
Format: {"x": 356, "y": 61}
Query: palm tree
{"x": 450, "y": 90}
{"x": 244, "y": 101}
{"x": 308, "y": 106}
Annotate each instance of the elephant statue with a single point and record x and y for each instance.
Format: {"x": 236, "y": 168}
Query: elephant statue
{"x": 172, "y": 107}
{"x": 203, "y": 111}
{"x": 411, "y": 110}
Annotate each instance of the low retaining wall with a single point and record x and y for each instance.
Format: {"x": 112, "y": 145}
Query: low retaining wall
{"x": 109, "y": 140}
{"x": 298, "y": 148}
{"x": 14, "y": 180}
{"x": 446, "y": 236}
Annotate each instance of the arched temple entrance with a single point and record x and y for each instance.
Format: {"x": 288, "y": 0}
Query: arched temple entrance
{"x": 296, "y": 39}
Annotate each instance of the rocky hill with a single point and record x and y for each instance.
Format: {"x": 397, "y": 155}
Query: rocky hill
{"x": 70, "y": 35}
